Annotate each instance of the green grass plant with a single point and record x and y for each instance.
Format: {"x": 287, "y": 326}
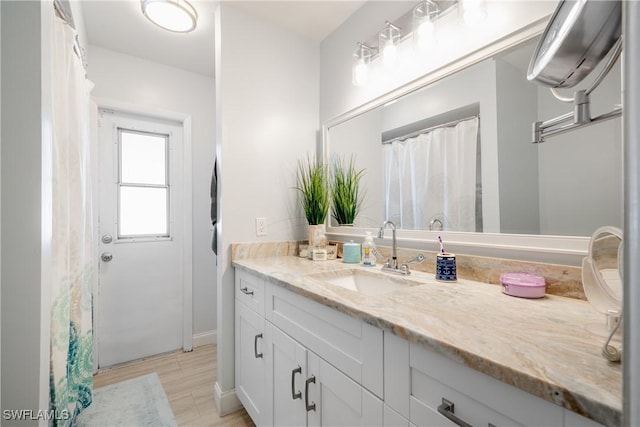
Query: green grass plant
{"x": 313, "y": 184}
{"x": 346, "y": 195}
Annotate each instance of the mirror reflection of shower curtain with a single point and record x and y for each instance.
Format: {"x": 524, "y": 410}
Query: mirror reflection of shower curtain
{"x": 433, "y": 176}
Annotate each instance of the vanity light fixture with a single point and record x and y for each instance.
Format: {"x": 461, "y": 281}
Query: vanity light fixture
{"x": 174, "y": 15}
{"x": 384, "y": 45}
{"x": 424, "y": 16}
{"x": 361, "y": 60}
{"x": 474, "y": 12}
{"x": 389, "y": 37}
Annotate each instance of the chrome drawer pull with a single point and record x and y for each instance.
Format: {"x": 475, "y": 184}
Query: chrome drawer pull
{"x": 255, "y": 346}
{"x": 311, "y": 407}
{"x": 295, "y": 395}
{"x": 448, "y": 410}
{"x": 246, "y": 291}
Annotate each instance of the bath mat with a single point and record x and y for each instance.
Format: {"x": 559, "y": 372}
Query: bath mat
{"x": 138, "y": 402}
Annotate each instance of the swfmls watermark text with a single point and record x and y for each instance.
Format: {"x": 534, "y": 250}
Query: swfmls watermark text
{"x": 33, "y": 415}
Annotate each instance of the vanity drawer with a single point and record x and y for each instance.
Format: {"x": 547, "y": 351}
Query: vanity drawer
{"x": 478, "y": 398}
{"x": 351, "y": 345}
{"x": 250, "y": 290}
{"x": 427, "y": 394}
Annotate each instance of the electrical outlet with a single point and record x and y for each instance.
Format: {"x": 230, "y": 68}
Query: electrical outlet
{"x": 261, "y": 226}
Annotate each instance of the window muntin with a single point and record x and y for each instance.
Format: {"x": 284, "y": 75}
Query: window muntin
{"x": 143, "y": 184}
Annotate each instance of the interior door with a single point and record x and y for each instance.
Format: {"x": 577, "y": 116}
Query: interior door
{"x": 140, "y": 292}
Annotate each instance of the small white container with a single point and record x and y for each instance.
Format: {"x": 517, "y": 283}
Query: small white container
{"x": 319, "y": 254}
{"x": 368, "y": 251}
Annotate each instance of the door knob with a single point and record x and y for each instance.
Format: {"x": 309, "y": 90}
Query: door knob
{"x": 106, "y": 256}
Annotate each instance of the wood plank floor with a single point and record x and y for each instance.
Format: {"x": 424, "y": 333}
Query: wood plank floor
{"x": 188, "y": 380}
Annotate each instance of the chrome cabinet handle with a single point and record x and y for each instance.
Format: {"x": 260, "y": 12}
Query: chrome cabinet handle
{"x": 255, "y": 346}
{"x": 312, "y": 407}
{"x": 447, "y": 408}
{"x": 246, "y": 291}
{"x": 295, "y": 395}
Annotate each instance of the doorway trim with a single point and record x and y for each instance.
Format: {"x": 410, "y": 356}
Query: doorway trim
{"x": 187, "y": 208}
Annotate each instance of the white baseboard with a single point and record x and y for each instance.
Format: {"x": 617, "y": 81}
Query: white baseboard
{"x": 226, "y": 402}
{"x": 205, "y": 338}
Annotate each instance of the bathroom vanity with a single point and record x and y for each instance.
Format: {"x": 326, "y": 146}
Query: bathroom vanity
{"x": 309, "y": 351}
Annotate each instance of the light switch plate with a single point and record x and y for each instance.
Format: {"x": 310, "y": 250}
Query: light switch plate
{"x": 261, "y": 226}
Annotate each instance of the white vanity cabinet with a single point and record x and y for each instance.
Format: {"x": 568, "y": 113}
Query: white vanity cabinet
{"x": 419, "y": 381}
{"x": 302, "y": 363}
{"x": 250, "y": 335}
{"x": 307, "y": 390}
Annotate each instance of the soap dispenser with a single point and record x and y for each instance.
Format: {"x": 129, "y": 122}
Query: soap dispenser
{"x": 368, "y": 251}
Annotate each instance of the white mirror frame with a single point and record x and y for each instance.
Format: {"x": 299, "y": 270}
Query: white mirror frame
{"x": 566, "y": 250}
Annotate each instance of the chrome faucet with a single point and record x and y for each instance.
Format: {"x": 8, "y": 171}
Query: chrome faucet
{"x": 433, "y": 223}
{"x": 391, "y": 265}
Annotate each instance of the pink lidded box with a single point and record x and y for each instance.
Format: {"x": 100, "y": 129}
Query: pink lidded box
{"x": 522, "y": 285}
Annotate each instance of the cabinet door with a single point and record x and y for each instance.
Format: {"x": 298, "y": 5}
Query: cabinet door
{"x": 251, "y": 364}
{"x": 286, "y": 379}
{"x": 336, "y": 400}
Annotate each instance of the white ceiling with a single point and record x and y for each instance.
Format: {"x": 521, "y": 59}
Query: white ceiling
{"x": 120, "y": 26}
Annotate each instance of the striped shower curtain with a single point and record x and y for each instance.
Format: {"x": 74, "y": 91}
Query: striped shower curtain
{"x": 71, "y": 365}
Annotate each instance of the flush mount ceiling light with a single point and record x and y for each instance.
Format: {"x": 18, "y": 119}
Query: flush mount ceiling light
{"x": 173, "y": 15}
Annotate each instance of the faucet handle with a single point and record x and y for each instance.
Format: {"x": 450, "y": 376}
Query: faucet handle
{"x": 377, "y": 254}
{"x": 405, "y": 265}
{"x": 417, "y": 260}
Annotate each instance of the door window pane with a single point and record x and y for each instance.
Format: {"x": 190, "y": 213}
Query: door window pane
{"x": 143, "y": 211}
{"x": 143, "y": 158}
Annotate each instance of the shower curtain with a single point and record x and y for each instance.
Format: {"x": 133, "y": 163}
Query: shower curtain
{"x": 71, "y": 364}
{"x": 433, "y": 176}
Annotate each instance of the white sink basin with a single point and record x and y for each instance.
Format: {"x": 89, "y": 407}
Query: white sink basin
{"x": 366, "y": 282}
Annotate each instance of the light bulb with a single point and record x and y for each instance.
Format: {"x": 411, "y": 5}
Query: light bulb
{"x": 361, "y": 59}
{"x": 425, "y": 35}
{"x": 474, "y": 12}
{"x": 361, "y": 74}
{"x": 424, "y": 16}
{"x": 388, "y": 40}
{"x": 389, "y": 55}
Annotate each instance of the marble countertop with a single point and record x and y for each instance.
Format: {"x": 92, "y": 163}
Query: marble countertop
{"x": 549, "y": 347}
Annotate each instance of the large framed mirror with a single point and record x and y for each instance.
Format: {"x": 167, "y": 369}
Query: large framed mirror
{"x": 455, "y": 156}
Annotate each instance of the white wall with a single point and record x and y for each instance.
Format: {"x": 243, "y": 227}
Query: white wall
{"x": 154, "y": 86}
{"x": 516, "y": 103}
{"x": 267, "y": 113}
{"x": 584, "y": 161}
{"x": 26, "y": 205}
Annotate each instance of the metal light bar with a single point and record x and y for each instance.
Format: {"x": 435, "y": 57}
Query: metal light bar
{"x": 542, "y": 130}
{"x": 631, "y": 269}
